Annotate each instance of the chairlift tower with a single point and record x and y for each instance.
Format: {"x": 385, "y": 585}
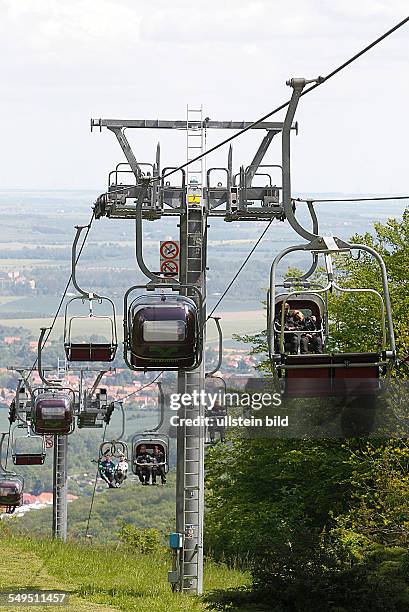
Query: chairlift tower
{"x": 60, "y": 514}
{"x": 193, "y": 201}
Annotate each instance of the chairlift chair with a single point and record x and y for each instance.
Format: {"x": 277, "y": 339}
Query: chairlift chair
{"x": 28, "y": 449}
{"x": 335, "y": 373}
{"x": 162, "y": 332}
{"x": 94, "y": 409}
{"x": 116, "y": 449}
{"x": 150, "y": 439}
{"x": 219, "y": 411}
{"x": 11, "y": 485}
{"x": 88, "y": 351}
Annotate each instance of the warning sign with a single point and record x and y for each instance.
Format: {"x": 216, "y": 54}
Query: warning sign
{"x": 169, "y": 266}
{"x": 169, "y": 249}
{"x": 169, "y": 257}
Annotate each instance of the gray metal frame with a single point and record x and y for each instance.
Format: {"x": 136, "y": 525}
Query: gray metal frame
{"x": 217, "y": 367}
{"x": 83, "y": 296}
{"x": 390, "y": 351}
{"x": 157, "y": 198}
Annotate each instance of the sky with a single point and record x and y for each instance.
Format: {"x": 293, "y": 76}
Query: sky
{"x": 65, "y": 61}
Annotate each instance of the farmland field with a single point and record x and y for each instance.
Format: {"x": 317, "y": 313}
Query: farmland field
{"x": 246, "y": 322}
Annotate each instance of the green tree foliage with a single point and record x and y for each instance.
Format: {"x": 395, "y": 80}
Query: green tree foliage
{"x": 357, "y": 320}
{"x": 324, "y": 523}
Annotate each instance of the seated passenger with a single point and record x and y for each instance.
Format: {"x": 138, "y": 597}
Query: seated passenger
{"x": 217, "y": 424}
{"x": 158, "y": 467}
{"x": 291, "y": 341}
{"x": 106, "y": 468}
{"x": 121, "y": 470}
{"x": 142, "y": 461}
{"x": 299, "y": 321}
{"x": 310, "y": 343}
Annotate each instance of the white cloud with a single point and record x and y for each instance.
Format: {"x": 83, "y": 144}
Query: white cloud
{"x": 64, "y": 61}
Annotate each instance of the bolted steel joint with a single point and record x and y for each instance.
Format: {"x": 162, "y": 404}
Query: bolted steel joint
{"x": 300, "y": 83}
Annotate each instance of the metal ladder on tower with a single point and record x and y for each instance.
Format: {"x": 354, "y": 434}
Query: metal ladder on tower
{"x": 193, "y": 456}
{"x": 60, "y": 487}
{"x": 195, "y": 147}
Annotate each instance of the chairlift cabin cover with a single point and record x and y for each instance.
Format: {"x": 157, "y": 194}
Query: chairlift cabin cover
{"x": 163, "y": 332}
{"x": 53, "y": 413}
{"x": 11, "y": 492}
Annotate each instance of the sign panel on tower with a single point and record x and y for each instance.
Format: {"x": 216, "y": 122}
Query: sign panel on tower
{"x": 169, "y": 257}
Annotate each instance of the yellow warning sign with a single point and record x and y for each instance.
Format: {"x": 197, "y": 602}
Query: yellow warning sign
{"x": 193, "y": 199}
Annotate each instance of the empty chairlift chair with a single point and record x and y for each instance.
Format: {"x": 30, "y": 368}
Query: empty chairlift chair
{"x": 162, "y": 333}
{"x": 53, "y": 412}
{"x": 83, "y": 350}
{"x": 28, "y": 449}
{"x": 90, "y": 350}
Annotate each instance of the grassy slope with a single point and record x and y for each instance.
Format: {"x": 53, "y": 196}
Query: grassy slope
{"x": 132, "y": 503}
{"x": 104, "y": 578}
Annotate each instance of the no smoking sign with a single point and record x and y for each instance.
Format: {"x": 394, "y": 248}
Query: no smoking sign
{"x": 169, "y": 249}
{"x": 169, "y": 257}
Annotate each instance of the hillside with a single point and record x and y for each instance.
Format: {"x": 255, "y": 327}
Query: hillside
{"x": 103, "y": 579}
{"x": 141, "y": 506}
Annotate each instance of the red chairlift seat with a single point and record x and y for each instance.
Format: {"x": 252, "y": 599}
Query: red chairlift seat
{"x": 91, "y": 351}
{"x": 311, "y": 375}
{"x": 28, "y": 449}
{"x": 29, "y": 459}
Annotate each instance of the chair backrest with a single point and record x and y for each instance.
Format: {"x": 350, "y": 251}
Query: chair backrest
{"x": 309, "y": 304}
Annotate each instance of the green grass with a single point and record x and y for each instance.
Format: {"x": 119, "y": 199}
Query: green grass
{"x": 104, "y": 578}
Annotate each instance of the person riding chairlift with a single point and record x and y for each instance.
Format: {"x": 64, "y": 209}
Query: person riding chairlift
{"x": 143, "y": 467}
{"x": 291, "y": 323}
{"x": 106, "y": 468}
{"x": 309, "y": 342}
{"x": 158, "y": 467}
{"x": 121, "y": 470}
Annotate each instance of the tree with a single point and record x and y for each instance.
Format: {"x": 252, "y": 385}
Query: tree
{"x": 324, "y": 522}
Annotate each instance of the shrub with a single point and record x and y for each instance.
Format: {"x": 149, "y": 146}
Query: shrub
{"x": 144, "y": 541}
